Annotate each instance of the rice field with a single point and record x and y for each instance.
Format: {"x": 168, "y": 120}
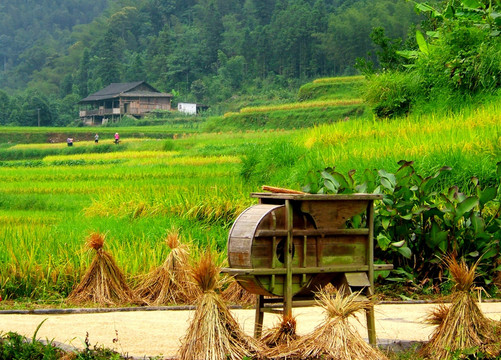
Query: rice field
{"x": 134, "y": 196}
{"x": 137, "y": 191}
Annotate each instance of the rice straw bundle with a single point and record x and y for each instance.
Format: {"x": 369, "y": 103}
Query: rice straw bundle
{"x": 283, "y": 334}
{"x": 461, "y": 326}
{"x": 335, "y": 338}
{"x": 236, "y": 294}
{"x": 103, "y": 283}
{"x": 213, "y": 333}
{"x": 170, "y": 282}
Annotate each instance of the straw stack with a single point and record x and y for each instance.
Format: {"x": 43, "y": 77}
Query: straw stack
{"x": 461, "y": 326}
{"x": 170, "y": 282}
{"x": 236, "y": 294}
{"x": 213, "y": 333}
{"x": 335, "y": 338}
{"x": 103, "y": 283}
{"x": 281, "y": 335}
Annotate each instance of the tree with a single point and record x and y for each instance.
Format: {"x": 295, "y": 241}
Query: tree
{"x": 4, "y": 108}
{"x": 107, "y": 58}
{"x": 135, "y": 70}
{"x": 82, "y": 77}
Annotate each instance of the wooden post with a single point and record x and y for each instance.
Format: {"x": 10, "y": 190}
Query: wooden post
{"x": 288, "y": 260}
{"x": 371, "y": 322}
{"x": 258, "y": 325}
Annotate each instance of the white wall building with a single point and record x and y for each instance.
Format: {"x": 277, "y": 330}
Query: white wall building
{"x": 190, "y": 108}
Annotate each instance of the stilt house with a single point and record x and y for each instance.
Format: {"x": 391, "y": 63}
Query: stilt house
{"x": 119, "y": 99}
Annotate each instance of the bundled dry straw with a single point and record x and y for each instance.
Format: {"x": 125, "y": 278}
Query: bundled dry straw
{"x": 335, "y": 338}
{"x": 461, "y": 326}
{"x": 169, "y": 283}
{"x": 281, "y": 335}
{"x": 103, "y": 283}
{"x": 213, "y": 333}
{"x": 236, "y": 294}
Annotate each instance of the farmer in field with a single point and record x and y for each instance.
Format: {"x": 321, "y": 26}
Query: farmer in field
{"x": 69, "y": 141}
{"x": 96, "y": 138}
{"x": 117, "y": 138}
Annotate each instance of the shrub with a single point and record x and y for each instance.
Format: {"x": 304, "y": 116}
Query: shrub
{"x": 391, "y": 93}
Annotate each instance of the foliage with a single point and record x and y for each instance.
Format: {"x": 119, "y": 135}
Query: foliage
{"x": 457, "y": 62}
{"x": 15, "y": 346}
{"x": 417, "y": 223}
{"x": 206, "y": 51}
{"x": 391, "y": 93}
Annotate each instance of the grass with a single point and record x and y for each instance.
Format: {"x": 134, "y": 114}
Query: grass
{"x": 162, "y": 176}
{"x": 469, "y": 142}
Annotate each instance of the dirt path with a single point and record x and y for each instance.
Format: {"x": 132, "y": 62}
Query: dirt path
{"x": 157, "y": 333}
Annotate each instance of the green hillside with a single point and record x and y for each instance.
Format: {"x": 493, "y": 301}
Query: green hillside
{"x": 325, "y": 100}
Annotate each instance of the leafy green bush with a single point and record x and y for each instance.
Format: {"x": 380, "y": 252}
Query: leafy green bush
{"x": 392, "y": 93}
{"x": 458, "y": 63}
{"x": 416, "y": 225}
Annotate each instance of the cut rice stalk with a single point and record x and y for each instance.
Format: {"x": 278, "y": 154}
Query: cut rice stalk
{"x": 236, "y": 294}
{"x": 335, "y": 338}
{"x": 103, "y": 283}
{"x": 213, "y": 333}
{"x": 169, "y": 283}
{"x": 283, "y": 334}
{"x": 463, "y": 326}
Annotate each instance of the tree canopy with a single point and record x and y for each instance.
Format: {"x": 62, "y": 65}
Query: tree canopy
{"x": 205, "y": 50}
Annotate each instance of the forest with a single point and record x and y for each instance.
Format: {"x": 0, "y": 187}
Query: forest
{"x": 55, "y": 52}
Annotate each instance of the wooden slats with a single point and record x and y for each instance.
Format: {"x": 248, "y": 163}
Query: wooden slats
{"x": 322, "y": 197}
{"x": 310, "y": 270}
{"x": 312, "y": 232}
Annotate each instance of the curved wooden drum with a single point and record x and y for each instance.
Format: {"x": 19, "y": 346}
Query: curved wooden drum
{"x": 250, "y": 247}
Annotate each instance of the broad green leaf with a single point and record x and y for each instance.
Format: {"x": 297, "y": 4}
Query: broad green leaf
{"x": 478, "y": 224}
{"x": 385, "y": 222}
{"x": 423, "y": 46}
{"x": 361, "y": 188}
{"x": 472, "y": 4}
{"x": 341, "y": 180}
{"x": 406, "y": 217}
{"x": 438, "y": 238}
{"x": 466, "y": 205}
{"x": 398, "y": 244}
{"x": 383, "y": 242}
{"x": 487, "y": 195}
{"x": 391, "y": 177}
{"x": 330, "y": 185}
{"x": 356, "y": 221}
{"x": 405, "y": 252}
{"x": 427, "y": 8}
{"x": 408, "y": 54}
{"x": 387, "y": 184}
{"x": 490, "y": 254}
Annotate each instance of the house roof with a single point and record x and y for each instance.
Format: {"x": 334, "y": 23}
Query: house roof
{"x": 116, "y": 90}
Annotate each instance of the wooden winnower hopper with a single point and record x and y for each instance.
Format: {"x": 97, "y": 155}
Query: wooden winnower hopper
{"x": 290, "y": 245}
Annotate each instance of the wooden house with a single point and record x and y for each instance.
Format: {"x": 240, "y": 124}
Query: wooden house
{"x": 119, "y": 99}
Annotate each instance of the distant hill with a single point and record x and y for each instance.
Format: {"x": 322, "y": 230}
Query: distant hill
{"x": 324, "y": 100}
{"x": 31, "y": 31}
{"x": 55, "y": 52}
